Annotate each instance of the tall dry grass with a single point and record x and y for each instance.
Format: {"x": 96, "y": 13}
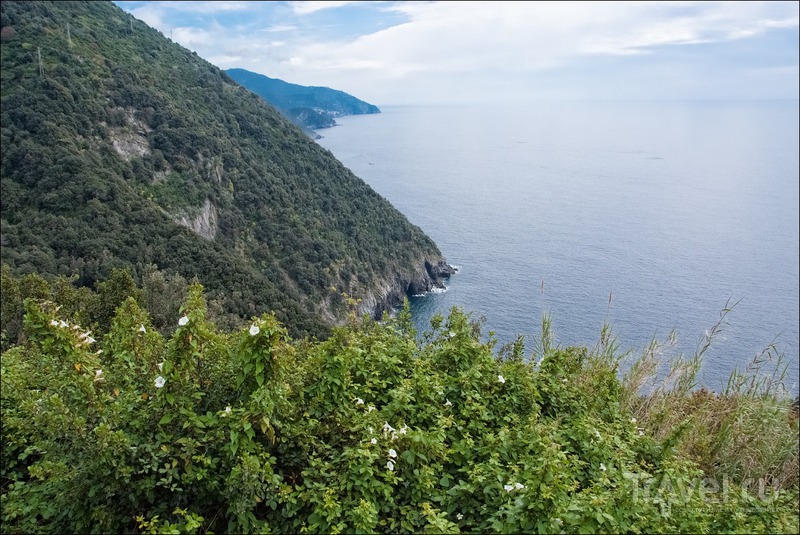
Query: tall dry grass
{"x": 748, "y": 432}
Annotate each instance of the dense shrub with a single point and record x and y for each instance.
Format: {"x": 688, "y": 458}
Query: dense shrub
{"x": 375, "y": 429}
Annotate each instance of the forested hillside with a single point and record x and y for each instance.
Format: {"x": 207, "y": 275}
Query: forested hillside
{"x": 123, "y": 149}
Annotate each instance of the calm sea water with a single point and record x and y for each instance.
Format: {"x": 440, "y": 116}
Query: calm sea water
{"x": 670, "y": 209}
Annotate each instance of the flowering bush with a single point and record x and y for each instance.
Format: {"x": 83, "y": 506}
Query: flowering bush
{"x": 372, "y": 430}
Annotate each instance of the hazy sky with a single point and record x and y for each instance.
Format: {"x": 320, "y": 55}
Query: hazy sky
{"x": 464, "y": 52}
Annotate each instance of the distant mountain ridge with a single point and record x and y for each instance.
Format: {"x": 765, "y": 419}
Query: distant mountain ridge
{"x": 310, "y": 107}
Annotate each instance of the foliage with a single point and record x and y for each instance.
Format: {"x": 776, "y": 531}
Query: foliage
{"x": 159, "y": 293}
{"x": 376, "y": 429}
{"x": 124, "y": 411}
{"x": 118, "y": 133}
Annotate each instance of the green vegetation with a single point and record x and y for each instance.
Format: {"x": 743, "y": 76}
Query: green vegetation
{"x": 375, "y": 429}
{"x": 133, "y": 402}
{"x": 121, "y": 149}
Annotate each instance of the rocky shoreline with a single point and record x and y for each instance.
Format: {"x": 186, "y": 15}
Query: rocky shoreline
{"x": 390, "y": 295}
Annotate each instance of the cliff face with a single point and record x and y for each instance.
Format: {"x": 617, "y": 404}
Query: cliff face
{"x": 123, "y": 149}
{"x": 431, "y": 273}
{"x": 203, "y": 224}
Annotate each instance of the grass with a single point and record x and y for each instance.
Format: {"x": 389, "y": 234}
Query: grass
{"x": 748, "y": 433}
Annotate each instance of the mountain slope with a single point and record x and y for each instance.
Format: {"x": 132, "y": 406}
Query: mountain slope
{"x": 310, "y": 107}
{"x": 123, "y": 149}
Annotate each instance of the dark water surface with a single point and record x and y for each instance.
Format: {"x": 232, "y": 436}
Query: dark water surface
{"x": 672, "y": 208}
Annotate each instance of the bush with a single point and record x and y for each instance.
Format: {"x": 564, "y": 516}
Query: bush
{"x": 372, "y": 430}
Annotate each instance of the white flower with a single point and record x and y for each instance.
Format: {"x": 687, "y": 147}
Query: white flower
{"x": 142, "y": 329}
{"x": 371, "y": 430}
{"x": 459, "y": 516}
{"x": 641, "y": 433}
{"x": 392, "y": 453}
{"x": 447, "y": 403}
{"x": 390, "y": 465}
{"x": 452, "y": 334}
{"x": 254, "y": 330}
{"x": 508, "y": 488}
{"x": 602, "y": 467}
{"x": 519, "y": 486}
{"x": 370, "y": 408}
{"x": 98, "y": 374}
{"x": 161, "y": 366}
{"x": 63, "y": 324}
{"x": 227, "y": 410}
{"x": 633, "y": 420}
{"x": 403, "y": 430}
{"x": 564, "y": 380}
{"x": 183, "y": 321}
{"x": 501, "y": 379}
{"x": 374, "y": 441}
{"x": 54, "y": 323}
{"x": 359, "y": 401}
{"x": 387, "y": 428}
{"x": 74, "y": 327}
{"x": 85, "y": 335}
{"x": 160, "y": 381}
{"x": 597, "y": 433}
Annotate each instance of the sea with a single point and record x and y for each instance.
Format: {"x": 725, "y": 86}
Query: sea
{"x": 653, "y": 217}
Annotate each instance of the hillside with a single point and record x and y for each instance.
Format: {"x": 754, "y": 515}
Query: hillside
{"x": 123, "y": 149}
{"x": 309, "y": 107}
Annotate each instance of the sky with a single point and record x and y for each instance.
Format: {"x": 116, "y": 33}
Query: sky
{"x": 434, "y": 53}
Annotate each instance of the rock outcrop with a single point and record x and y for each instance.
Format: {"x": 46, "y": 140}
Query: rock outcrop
{"x": 389, "y": 295}
{"x": 203, "y": 224}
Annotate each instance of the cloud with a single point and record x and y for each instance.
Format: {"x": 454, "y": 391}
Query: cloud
{"x": 156, "y": 13}
{"x": 647, "y": 26}
{"x": 433, "y": 50}
{"x": 151, "y": 14}
{"x": 280, "y": 28}
{"x": 479, "y": 39}
{"x": 308, "y": 7}
{"x": 454, "y": 36}
{"x": 204, "y": 7}
{"x": 193, "y": 38}
{"x": 213, "y": 7}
